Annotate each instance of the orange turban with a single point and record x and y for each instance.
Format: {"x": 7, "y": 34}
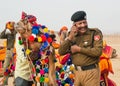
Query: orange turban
{"x": 64, "y": 28}
{"x": 10, "y": 25}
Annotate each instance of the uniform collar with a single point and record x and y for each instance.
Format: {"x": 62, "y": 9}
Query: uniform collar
{"x": 87, "y": 32}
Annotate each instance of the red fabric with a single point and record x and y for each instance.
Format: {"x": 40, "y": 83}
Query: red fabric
{"x": 65, "y": 59}
{"x": 0, "y": 64}
{"x": 23, "y": 15}
{"x": 111, "y": 82}
{"x": 105, "y": 63}
{"x": 108, "y": 51}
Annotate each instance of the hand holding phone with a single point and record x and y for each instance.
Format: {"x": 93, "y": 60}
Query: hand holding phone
{"x": 73, "y": 31}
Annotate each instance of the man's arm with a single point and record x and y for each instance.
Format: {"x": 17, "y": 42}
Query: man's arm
{"x": 3, "y": 35}
{"x": 65, "y": 47}
{"x": 94, "y": 51}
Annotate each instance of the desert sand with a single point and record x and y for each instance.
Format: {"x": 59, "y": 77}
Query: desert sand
{"x": 114, "y": 41}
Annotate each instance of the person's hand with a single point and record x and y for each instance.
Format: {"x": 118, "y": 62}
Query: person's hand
{"x": 75, "y": 49}
{"x": 73, "y": 32}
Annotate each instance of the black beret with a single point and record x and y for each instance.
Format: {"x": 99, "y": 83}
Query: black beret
{"x": 79, "y": 15}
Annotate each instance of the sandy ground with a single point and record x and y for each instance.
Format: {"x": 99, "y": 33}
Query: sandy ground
{"x": 113, "y": 41}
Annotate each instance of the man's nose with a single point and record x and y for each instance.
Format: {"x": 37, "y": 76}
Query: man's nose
{"x": 82, "y": 25}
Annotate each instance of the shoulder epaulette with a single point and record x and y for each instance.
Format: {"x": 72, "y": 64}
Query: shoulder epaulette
{"x": 96, "y": 30}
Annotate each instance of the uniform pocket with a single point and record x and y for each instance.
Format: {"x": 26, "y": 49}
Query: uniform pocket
{"x": 87, "y": 43}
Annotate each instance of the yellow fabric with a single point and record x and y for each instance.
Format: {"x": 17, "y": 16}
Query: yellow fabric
{"x": 58, "y": 58}
{"x": 5, "y": 43}
{"x": 2, "y": 54}
{"x": 105, "y": 63}
{"x": 104, "y": 43}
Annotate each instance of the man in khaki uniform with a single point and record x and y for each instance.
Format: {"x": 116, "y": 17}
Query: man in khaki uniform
{"x": 85, "y": 46}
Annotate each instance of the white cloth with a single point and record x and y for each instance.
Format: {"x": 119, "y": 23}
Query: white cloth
{"x": 22, "y": 64}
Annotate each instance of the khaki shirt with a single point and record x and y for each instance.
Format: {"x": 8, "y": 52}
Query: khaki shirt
{"x": 91, "y": 44}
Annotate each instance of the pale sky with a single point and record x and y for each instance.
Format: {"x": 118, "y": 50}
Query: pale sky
{"x": 103, "y": 14}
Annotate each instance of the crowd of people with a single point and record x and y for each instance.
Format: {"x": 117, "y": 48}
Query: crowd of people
{"x": 81, "y": 49}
